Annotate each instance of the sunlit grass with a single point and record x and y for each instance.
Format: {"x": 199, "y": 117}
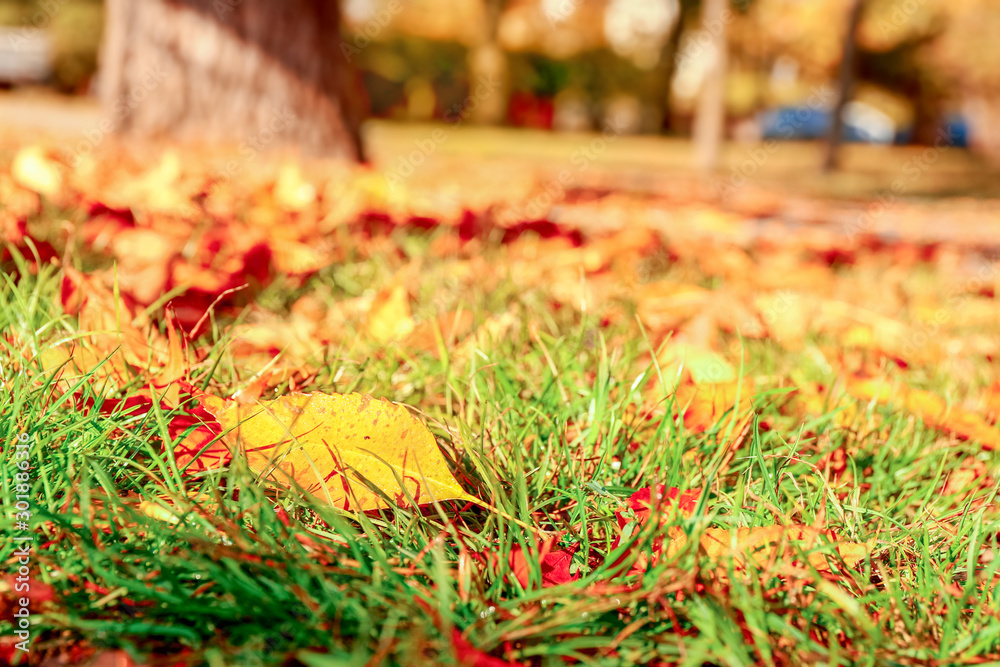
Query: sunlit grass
{"x": 548, "y": 423}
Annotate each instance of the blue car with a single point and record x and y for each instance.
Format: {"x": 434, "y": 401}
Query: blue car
{"x": 795, "y": 123}
{"x": 863, "y": 123}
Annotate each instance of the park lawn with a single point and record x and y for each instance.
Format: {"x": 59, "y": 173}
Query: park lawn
{"x": 569, "y": 379}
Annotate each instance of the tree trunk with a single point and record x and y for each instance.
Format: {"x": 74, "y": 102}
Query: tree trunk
{"x": 710, "y": 115}
{"x": 845, "y": 86}
{"x": 663, "y": 75}
{"x": 488, "y": 70}
{"x": 232, "y": 70}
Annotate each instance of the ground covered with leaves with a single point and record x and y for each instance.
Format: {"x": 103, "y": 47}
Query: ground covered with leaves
{"x": 640, "y": 429}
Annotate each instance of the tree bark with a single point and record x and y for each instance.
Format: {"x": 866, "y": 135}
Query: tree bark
{"x": 663, "y": 75}
{"x": 710, "y": 115}
{"x": 488, "y": 70}
{"x": 232, "y": 70}
{"x": 845, "y": 86}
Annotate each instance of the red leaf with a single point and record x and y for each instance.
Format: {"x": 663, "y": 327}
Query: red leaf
{"x": 469, "y": 656}
{"x": 38, "y": 592}
{"x": 643, "y": 504}
{"x": 554, "y": 564}
{"x": 206, "y": 428}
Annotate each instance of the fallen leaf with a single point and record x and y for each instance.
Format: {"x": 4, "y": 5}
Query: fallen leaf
{"x": 762, "y": 545}
{"x": 643, "y": 504}
{"x": 193, "y": 452}
{"x": 787, "y": 316}
{"x": 963, "y": 479}
{"x": 554, "y": 565}
{"x": 452, "y": 326}
{"x": 932, "y": 409}
{"x": 334, "y": 446}
{"x": 32, "y": 169}
{"x": 390, "y": 317}
{"x": 703, "y": 405}
{"x": 468, "y": 655}
{"x": 664, "y": 305}
{"x": 291, "y": 192}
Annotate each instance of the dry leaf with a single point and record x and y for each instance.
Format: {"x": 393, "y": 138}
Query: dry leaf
{"x": 452, "y": 326}
{"x": 932, "y": 409}
{"x": 703, "y": 405}
{"x": 665, "y": 305}
{"x": 334, "y": 446}
{"x": 762, "y": 545}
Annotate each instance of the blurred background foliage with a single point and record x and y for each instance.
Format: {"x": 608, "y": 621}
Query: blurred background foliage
{"x": 576, "y": 64}
{"x": 74, "y": 28}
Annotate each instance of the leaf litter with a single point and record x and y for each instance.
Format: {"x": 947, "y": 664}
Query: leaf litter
{"x": 236, "y": 278}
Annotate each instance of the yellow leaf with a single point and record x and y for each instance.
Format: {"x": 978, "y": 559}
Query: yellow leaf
{"x": 33, "y": 170}
{"x": 335, "y": 445}
{"x": 787, "y": 316}
{"x": 390, "y": 317}
{"x": 297, "y": 258}
{"x": 291, "y": 192}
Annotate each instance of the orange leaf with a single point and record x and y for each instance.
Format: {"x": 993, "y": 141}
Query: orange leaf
{"x": 932, "y": 409}
{"x": 665, "y": 305}
{"x": 704, "y": 404}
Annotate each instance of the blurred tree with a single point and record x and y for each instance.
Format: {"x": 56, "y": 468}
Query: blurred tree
{"x": 74, "y": 29}
{"x": 899, "y": 69}
{"x": 666, "y": 65}
{"x": 76, "y": 34}
{"x": 233, "y": 70}
{"x": 845, "y": 84}
{"x": 710, "y": 117}
{"x": 488, "y": 67}
{"x": 938, "y": 54}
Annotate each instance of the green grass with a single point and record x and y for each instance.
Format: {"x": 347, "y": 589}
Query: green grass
{"x": 532, "y": 421}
